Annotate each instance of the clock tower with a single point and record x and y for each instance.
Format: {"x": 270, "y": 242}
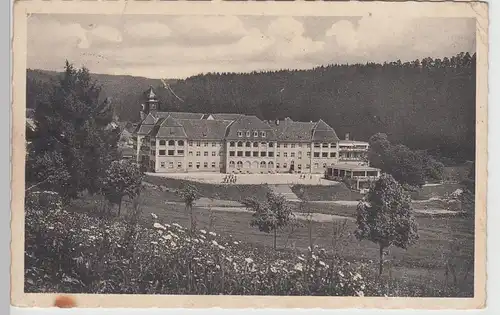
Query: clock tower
{"x": 151, "y": 104}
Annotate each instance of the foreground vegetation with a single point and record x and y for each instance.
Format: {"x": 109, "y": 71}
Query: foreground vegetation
{"x": 145, "y": 253}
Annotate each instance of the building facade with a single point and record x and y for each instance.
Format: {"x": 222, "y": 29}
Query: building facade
{"x": 235, "y": 143}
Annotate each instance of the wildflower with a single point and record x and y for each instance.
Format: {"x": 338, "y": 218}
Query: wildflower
{"x": 154, "y": 216}
{"x": 322, "y": 263}
{"x": 118, "y": 245}
{"x": 314, "y": 257}
{"x": 160, "y": 232}
{"x": 85, "y": 230}
{"x": 340, "y": 273}
{"x": 51, "y": 227}
{"x": 235, "y": 243}
{"x": 154, "y": 243}
{"x": 249, "y": 260}
{"x": 173, "y": 244}
{"x": 298, "y": 267}
{"x": 215, "y": 243}
{"x": 274, "y": 270}
{"x": 167, "y": 237}
{"x": 202, "y": 236}
{"x": 301, "y": 258}
{"x": 159, "y": 226}
{"x": 212, "y": 233}
{"x": 229, "y": 259}
{"x": 360, "y": 293}
{"x": 203, "y": 231}
{"x": 357, "y": 276}
{"x": 196, "y": 240}
{"x": 221, "y": 247}
{"x": 177, "y": 225}
{"x": 309, "y": 248}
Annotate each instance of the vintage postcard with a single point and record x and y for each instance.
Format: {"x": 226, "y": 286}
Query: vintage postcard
{"x": 260, "y": 154}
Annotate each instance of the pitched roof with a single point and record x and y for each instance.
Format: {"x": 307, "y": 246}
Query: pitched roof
{"x": 225, "y": 116}
{"x": 180, "y": 115}
{"x": 289, "y": 130}
{"x": 149, "y": 120}
{"x": 143, "y": 130}
{"x": 169, "y": 128}
{"x": 323, "y": 132}
{"x": 205, "y": 129}
{"x": 249, "y": 123}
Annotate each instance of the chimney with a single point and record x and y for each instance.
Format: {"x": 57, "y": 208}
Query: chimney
{"x": 347, "y": 136}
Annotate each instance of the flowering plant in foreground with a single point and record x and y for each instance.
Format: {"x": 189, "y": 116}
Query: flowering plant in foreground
{"x": 82, "y": 253}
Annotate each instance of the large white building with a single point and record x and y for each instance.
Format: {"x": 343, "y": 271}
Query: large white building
{"x": 234, "y": 143}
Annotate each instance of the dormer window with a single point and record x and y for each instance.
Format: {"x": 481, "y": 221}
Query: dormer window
{"x": 255, "y": 133}
{"x": 240, "y": 134}
{"x": 248, "y": 133}
{"x": 263, "y": 134}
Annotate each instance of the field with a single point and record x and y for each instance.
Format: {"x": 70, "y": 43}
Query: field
{"x": 423, "y": 264}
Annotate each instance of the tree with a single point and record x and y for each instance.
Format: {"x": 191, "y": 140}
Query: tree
{"x": 123, "y": 178}
{"x": 71, "y": 132}
{"x": 386, "y": 218}
{"x": 270, "y": 215}
{"x": 189, "y": 194}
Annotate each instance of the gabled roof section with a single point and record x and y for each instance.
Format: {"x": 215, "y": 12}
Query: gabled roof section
{"x": 149, "y": 120}
{"x": 168, "y": 128}
{"x": 205, "y": 129}
{"x": 226, "y": 116}
{"x": 249, "y": 123}
{"x": 323, "y": 132}
{"x": 289, "y": 130}
{"x": 180, "y": 115}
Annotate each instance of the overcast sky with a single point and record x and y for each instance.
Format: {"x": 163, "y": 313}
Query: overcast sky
{"x": 180, "y": 46}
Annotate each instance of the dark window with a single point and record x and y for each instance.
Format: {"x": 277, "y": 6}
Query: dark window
{"x": 316, "y": 154}
{"x": 263, "y": 153}
{"x": 239, "y": 153}
{"x": 325, "y": 145}
{"x": 271, "y": 144}
{"x": 163, "y": 142}
{"x": 332, "y": 154}
{"x": 180, "y": 152}
{"x": 248, "y": 153}
{"x": 270, "y": 154}
{"x": 162, "y": 152}
{"x": 231, "y": 144}
{"x": 171, "y": 152}
{"x": 248, "y": 144}
{"x": 240, "y": 144}
{"x": 255, "y": 144}
{"x": 171, "y": 142}
{"x": 255, "y": 153}
{"x": 231, "y": 153}
{"x": 180, "y": 142}
{"x": 324, "y": 154}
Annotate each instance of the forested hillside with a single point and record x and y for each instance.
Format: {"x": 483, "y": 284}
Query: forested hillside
{"x": 425, "y": 104}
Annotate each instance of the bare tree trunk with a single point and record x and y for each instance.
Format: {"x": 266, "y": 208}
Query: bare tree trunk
{"x": 381, "y": 263}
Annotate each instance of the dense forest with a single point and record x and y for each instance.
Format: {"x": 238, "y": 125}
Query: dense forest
{"x": 426, "y": 104}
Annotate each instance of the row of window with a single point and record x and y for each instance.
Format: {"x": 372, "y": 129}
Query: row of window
{"x": 285, "y": 154}
{"x": 248, "y": 133}
{"x": 246, "y": 144}
{"x": 190, "y": 165}
{"x": 249, "y": 144}
{"x": 270, "y": 164}
{"x": 205, "y": 153}
{"x": 249, "y": 153}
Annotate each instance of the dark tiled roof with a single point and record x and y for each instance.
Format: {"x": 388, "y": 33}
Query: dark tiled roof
{"x": 169, "y": 128}
{"x": 205, "y": 129}
{"x": 289, "y": 130}
{"x": 249, "y": 123}
{"x": 223, "y": 116}
{"x": 149, "y": 120}
{"x": 143, "y": 130}
{"x": 180, "y": 115}
{"x": 323, "y": 132}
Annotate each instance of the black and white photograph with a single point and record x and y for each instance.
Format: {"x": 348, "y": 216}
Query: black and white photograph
{"x": 251, "y": 155}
